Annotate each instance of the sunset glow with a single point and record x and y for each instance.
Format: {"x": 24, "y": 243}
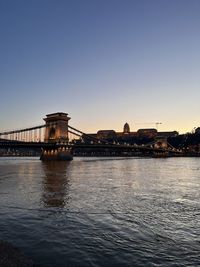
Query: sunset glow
{"x": 102, "y": 62}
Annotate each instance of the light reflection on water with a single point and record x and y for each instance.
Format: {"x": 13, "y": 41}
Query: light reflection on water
{"x": 55, "y": 184}
{"x": 102, "y": 212}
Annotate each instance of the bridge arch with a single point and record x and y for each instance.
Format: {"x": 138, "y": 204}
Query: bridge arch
{"x": 52, "y": 133}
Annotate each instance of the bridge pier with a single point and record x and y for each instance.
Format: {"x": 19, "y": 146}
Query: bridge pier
{"x": 61, "y": 153}
{"x": 56, "y": 133}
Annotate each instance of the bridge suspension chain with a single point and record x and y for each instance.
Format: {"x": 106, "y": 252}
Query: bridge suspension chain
{"x": 90, "y": 137}
{"x": 22, "y": 130}
{"x": 31, "y": 134}
{"x": 36, "y": 134}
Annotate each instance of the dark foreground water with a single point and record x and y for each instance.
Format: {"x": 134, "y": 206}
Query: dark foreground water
{"x": 102, "y": 212}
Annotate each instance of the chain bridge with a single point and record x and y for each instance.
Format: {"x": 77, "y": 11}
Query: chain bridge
{"x": 57, "y": 140}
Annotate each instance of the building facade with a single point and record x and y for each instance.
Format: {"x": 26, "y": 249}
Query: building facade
{"x": 132, "y": 136}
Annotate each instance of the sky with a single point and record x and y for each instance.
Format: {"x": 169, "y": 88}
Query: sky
{"x": 104, "y": 62}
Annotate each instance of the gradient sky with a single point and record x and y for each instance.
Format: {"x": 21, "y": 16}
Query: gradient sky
{"x": 104, "y": 62}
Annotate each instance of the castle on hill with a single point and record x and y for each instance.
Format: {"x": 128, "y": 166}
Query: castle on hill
{"x": 127, "y": 134}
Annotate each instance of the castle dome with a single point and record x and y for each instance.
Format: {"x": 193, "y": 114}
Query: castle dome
{"x": 126, "y": 128}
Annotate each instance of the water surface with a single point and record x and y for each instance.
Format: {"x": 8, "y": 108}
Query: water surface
{"x": 102, "y": 211}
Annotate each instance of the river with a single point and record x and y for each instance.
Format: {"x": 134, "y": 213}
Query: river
{"x": 102, "y": 211}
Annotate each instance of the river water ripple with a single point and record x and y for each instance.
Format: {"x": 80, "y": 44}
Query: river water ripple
{"x": 102, "y": 211}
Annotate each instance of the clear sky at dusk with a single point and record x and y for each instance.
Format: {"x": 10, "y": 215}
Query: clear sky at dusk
{"x": 103, "y": 62}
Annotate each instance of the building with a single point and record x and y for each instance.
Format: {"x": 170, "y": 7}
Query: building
{"x": 197, "y": 130}
{"x": 127, "y": 135}
{"x": 149, "y": 132}
{"x": 126, "y": 128}
{"x": 105, "y": 134}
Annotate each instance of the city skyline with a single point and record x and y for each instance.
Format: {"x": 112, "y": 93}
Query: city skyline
{"x": 104, "y": 63}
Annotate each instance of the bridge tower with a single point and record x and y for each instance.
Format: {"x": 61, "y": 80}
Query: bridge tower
{"x": 56, "y": 133}
{"x": 161, "y": 145}
{"x": 56, "y": 128}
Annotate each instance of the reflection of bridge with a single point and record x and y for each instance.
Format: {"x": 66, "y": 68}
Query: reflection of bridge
{"x": 58, "y": 140}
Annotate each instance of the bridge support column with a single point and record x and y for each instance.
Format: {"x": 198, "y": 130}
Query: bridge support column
{"x": 61, "y": 153}
{"x": 56, "y": 135}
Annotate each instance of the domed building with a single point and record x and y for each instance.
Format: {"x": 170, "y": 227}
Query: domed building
{"x": 132, "y": 137}
{"x": 126, "y": 128}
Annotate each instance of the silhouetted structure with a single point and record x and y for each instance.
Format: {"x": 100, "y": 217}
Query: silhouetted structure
{"x": 141, "y": 136}
{"x": 56, "y": 131}
{"x": 58, "y": 145}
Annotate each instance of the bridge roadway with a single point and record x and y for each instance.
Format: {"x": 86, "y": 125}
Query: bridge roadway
{"x": 31, "y": 145}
